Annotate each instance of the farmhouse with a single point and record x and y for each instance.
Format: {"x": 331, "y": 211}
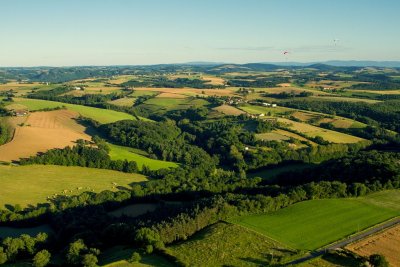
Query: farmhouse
{"x": 20, "y": 112}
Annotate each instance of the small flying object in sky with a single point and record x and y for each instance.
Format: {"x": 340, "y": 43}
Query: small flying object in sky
{"x": 286, "y": 52}
{"x": 335, "y": 41}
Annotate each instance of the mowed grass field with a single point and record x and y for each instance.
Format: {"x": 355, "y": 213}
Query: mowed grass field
{"x": 101, "y": 115}
{"x": 32, "y": 184}
{"x": 130, "y": 154}
{"x": 336, "y": 121}
{"x": 312, "y": 224}
{"x": 265, "y": 110}
{"x": 225, "y": 244}
{"x": 124, "y": 102}
{"x": 162, "y": 104}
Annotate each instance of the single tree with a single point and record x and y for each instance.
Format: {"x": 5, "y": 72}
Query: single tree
{"x": 42, "y": 258}
{"x": 378, "y": 260}
{"x": 135, "y": 257}
{"x": 89, "y": 260}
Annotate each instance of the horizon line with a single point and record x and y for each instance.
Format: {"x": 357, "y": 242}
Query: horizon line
{"x": 286, "y": 63}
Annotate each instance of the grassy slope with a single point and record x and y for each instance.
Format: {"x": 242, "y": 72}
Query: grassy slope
{"x": 117, "y": 257}
{"x": 313, "y": 131}
{"x": 32, "y": 184}
{"x": 225, "y": 244}
{"x": 331, "y": 260}
{"x": 100, "y": 115}
{"x": 122, "y": 153}
{"x": 312, "y": 224}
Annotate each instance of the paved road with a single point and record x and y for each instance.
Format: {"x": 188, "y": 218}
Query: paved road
{"x": 345, "y": 242}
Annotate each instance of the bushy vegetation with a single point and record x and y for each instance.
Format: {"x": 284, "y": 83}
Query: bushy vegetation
{"x": 84, "y": 156}
{"x": 385, "y": 114}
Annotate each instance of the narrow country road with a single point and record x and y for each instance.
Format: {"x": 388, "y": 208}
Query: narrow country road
{"x": 345, "y": 242}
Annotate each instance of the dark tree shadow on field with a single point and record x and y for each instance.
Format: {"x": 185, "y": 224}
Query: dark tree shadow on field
{"x": 342, "y": 258}
{"x": 257, "y": 261}
{"x": 90, "y": 126}
{"x": 285, "y": 250}
{"x": 9, "y": 207}
{"x": 119, "y": 187}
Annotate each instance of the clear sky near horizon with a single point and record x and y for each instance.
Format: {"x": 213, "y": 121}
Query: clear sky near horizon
{"x": 131, "y": 32}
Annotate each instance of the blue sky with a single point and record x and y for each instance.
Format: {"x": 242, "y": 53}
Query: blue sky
{"x": 112, "y": 32}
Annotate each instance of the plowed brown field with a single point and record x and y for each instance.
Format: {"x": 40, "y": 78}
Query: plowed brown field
{"x": 43, "y": 131}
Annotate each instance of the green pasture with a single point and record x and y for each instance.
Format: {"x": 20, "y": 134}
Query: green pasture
{"x": 312, "y": 224}
{"x": 33, "y": 184}
{"x": 130, "y": 154}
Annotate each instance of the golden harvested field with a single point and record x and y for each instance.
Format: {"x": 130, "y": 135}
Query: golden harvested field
{"x": 121, "y": 79}
{"x": 293, "y": 135}
{"x": 271, "y": 136}
{"x": 229, "y": 110}
{"x": 15, "y": 121}
{"x": 285, "y": 84}
{"x": 313, "y": 131}
{"x": 43, "y": 131}
{"x": 188, "y": 91}
{"x": 304, "y": 116}
{"x": 381, "y": 92}
{"x": 170, "y": 95}
{"x": 214, "y": 80}
{"x": 277, "y": 90}
{"x": 386, "y": 243}
{"x": 17, "y": 85}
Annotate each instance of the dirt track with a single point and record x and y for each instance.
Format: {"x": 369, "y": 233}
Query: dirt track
{"x": 43, "y": 131}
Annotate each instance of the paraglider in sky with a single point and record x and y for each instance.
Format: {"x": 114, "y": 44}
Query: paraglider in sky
{"x": 335, "y": 41}
{"x": 285, "y": 54}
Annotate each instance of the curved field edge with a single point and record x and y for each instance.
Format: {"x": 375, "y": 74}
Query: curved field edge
{"x": 127, "y": 153}
{"x": 309, "y": 225}
{"x": 229, "y": 245}
{"x": 118, "y": 257}
{"x": 33, "y": 184}
{"x": 102, "y": 116}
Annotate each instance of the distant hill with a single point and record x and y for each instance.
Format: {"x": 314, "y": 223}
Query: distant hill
{"x": 342, "y": 63}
